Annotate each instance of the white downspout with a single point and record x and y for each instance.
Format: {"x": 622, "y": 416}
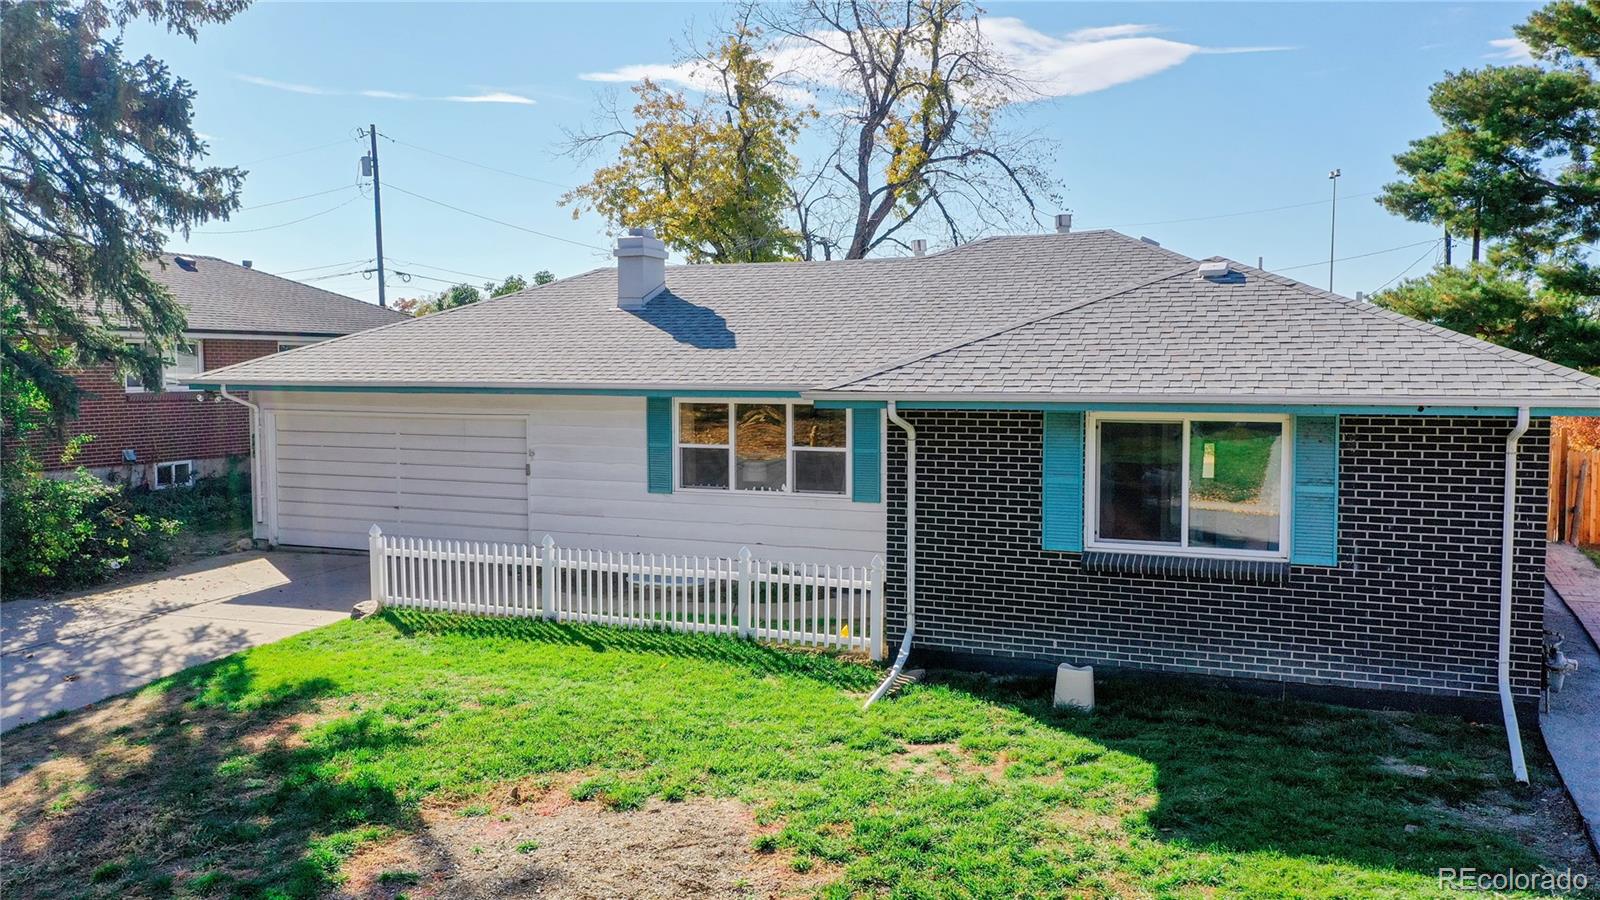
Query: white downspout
{"x": 911, "y": 556}
{"x": 1519, "y": 767}
{"x": 257, "y": 505}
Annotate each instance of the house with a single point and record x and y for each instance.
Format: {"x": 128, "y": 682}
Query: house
{"x": 1122, "y": 456}
{"x": 235, "y": 313}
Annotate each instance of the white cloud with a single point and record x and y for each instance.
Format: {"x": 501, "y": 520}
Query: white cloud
{"x": 1079, "y": 62}
{"x": 283, "y": 85}
{"x": 487, "y": 96}
{"x": 1511, "y": 49}
{"x": 492, "y": 97}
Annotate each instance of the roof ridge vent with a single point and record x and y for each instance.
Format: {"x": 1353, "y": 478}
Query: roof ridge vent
{"x": 1214, "y": 269}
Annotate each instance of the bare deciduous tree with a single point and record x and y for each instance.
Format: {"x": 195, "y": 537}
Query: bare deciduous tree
{"x": 916, "y": 100}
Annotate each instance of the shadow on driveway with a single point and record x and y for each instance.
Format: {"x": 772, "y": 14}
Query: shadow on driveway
{"x": 61, "y": 654}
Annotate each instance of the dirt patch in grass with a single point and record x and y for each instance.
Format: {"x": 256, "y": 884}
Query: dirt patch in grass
{"x": 946, "y": 760}
{"x": 540, "y": 842}
{"x": 1550, "y": 826}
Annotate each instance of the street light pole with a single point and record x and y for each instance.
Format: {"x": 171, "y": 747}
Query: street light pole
{"x": 1333, "y": 213}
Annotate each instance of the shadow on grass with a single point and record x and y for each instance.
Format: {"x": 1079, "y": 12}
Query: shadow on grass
{"x": 825, "y": 667}
{"x": 202, "y": 769}
{"x": 1237, "y": 773}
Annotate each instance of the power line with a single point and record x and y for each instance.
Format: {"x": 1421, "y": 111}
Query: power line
{"x": 348, "y": 262}
{"x": 1231, "y": 215}
{"x": 342, "y": 187}
{"x": 1413, "y": 265}
{"x": 336, "y": 275}
{"x": 479, "y": 165}
{"x": 295, "y": 152}
{"x": 1323, "y": 262}
{"x": 284, "y": 224}
{"x": 395, "y": 187}
{"x": 412, "y": 262}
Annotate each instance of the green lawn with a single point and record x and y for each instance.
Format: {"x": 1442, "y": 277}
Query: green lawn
{"x": 964, "y": 786}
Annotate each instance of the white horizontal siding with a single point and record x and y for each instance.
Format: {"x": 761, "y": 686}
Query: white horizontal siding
{"x": 336, "y": 475}
{"x": 587, "y": 487}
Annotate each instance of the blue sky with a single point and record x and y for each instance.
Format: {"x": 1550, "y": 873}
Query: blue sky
{"x": 1160, "y": 133}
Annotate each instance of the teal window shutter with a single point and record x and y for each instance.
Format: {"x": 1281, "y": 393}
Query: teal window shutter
{"x": 1062, "y": 525}
{"x": 866, "y": 455}
{"x": 658, "y": 443}
{"x": 1314, "y": 540}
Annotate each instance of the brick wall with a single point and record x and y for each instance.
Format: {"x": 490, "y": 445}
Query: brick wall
{"x": 1412, "y": 606}
{"x": 161, "y": 427}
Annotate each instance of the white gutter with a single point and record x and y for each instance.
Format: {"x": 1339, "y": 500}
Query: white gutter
{"x": 911, "y": 556}
{"x": 256, "y": 503}
{"x": 1519, "y": 766}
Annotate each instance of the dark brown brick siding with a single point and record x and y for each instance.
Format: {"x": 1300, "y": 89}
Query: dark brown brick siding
{"x": 160, "y": 427}
{"x": 1412, "y": 606}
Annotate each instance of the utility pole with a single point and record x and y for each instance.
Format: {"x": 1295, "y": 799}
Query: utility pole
{"x": 1447, "y": 247}
{"x": 369, "y": 166}
{"x": 1333, "y": 213}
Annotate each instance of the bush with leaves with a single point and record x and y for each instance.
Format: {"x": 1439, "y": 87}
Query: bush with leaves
{"x": 73, "y": 530}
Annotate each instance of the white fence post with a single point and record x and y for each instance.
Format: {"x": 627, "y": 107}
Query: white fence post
{"x": 875, "y": 615}
{"x": 746, "y": 592}
{"x": 547, "y": 576}
{"x": 376, "y": 565}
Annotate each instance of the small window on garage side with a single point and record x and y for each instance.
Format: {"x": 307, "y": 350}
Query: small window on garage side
{"x": 174, "y": 474}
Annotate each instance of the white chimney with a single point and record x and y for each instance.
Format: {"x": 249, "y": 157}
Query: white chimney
{"x": 1063, "y": 223}
{"x": 919, "y": 247}
{"x": 641, "y": 267}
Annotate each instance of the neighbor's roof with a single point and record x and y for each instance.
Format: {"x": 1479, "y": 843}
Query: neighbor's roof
{"x": 761, "y": 325}
{"x": 1088, "y": 316}
{"x": 225, "y": 297}
{"x": 1250, "y": 335}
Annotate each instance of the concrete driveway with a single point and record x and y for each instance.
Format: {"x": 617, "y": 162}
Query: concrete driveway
{"x": 66, "y": 653}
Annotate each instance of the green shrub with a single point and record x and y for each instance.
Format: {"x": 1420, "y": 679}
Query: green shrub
{"x": 73, "y": 529}
{"x": 210, "y": 504}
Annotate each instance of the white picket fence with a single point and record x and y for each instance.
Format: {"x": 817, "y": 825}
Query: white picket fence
{"x": 812, "y": 604}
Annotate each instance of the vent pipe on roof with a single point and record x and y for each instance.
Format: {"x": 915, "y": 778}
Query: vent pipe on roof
{"x": 641, "y": 267}
{"x": 1149, "y": 240}
{"x": 1063, "y": 222}
{"x": 919, "y": 247}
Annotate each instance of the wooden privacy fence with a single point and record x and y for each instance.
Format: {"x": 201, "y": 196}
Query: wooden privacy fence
{"x": 1574, "y": 493}
{"x": 797, "y": 603}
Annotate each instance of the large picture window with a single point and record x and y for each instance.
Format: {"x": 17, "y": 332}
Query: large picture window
{"x": 763, "y": 447}
{"x": 1208, "y": 485}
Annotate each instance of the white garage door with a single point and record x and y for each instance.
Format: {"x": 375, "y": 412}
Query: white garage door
{"x": 461, "y": 477}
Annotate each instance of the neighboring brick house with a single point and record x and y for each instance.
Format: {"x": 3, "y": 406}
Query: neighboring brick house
{"x": 235, "y": 313}
{"x": 1123, "y": 456}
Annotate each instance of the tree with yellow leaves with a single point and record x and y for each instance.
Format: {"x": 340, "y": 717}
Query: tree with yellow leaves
{"x": 712, "y": 177}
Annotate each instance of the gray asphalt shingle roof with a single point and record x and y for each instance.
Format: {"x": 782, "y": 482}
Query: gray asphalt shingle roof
{"x": 220, "y": 296}
{"x": 774, "y": 325}
{"x": 1083, "y": 314}
{"x": 1254, "y": 334}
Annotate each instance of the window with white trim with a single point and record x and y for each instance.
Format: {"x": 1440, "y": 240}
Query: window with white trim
{"x": 290, "y": 345}
{"x": 1196, "y": 484}
{"x": 762, "y": 447}
{"x": 187, "y": 360}
{"x": 174, "y": 474}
